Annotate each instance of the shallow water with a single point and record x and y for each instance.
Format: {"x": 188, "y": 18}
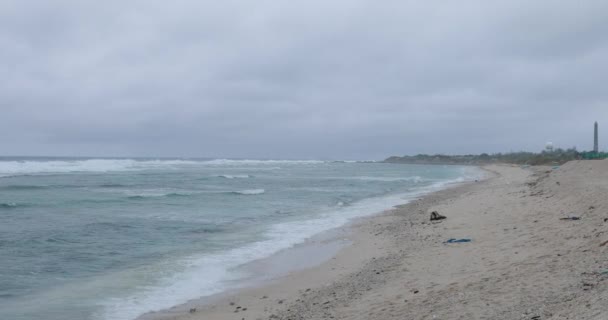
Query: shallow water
{"x": 114, "y": 238}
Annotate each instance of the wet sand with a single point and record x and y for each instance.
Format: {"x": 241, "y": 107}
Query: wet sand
{"x": 523, "y": 261}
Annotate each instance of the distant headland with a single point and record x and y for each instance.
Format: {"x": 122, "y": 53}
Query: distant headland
{"x": 546, "y": 157}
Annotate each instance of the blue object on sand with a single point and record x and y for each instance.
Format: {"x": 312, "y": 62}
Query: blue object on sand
{"x": 458, "y": 240}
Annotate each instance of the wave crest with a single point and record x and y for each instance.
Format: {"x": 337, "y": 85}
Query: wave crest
{"x": 28, "y": 167}
{"x": 159, "y": 195}
{"x": 24, "y": 187}
{"x": 234, "y": 176}
{"x": 250, "y": 192}
{"x": 10, "y": 168}
{"x": 416, "y": 179}
{"x": 260, "y": 162}
{"x": 8, "y": 205}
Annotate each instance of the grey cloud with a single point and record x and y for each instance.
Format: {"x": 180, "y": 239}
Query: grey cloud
{"x": 299, "y": 79}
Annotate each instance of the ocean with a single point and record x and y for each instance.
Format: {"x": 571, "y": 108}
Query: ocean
{"x": 111, "y": 239}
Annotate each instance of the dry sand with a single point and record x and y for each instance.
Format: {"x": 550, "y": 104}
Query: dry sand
{"x": 523, "y": 261}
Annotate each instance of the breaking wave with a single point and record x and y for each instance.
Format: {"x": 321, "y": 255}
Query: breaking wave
{"x": 35, "y": 167}
{"x": 8, "y": 205}
{"x": 28, "y": 167}
{"x": 250, "y": 192}
{"x": 235, "y": 176}
{"x": 260, "y": 162}
{"x": 415, "y": 179}
{"x": 160, "y": 195}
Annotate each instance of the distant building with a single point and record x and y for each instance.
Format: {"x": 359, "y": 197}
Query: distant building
{"x": 595, "y": 139}
{"x": 549, "y": 147}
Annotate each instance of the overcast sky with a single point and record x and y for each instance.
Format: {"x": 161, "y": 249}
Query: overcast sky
{"x": 339, "y": 79}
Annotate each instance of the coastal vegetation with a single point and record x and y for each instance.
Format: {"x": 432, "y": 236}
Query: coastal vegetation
{"x": 546, "y": 157}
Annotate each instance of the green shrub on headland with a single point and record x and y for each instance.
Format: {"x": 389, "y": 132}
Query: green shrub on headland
{"x": 557, "y": 156}
{"x": 591, "y": 155}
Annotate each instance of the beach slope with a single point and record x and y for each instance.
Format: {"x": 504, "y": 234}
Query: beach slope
{"x": 537, "y": 251}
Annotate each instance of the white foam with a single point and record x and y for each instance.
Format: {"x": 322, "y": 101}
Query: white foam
{"x": 211, "y": 274}
{"x": 8, "y": 205}
{"x": 155, "y": 193}
{"x": 27, "y": 167}
{"x": 250, "y": 191}
{"x": 260, "y": 162}
{"x": 13, "y": 168}
{"x": 234, "y": 176}
{"x": 416, "y": 179}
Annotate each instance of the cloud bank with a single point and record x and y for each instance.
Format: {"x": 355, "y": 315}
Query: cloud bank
{"x": 300, "y": 79}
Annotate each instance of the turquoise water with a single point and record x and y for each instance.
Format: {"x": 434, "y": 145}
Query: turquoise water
{"x": 111, "y": 239}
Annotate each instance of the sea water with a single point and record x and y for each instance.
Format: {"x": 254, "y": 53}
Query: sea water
{"x": 111, "y": 239}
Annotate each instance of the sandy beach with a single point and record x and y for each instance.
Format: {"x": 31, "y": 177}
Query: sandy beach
{"x": 538, "y": 251}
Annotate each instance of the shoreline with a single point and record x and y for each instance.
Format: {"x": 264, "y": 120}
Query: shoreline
{"x": 527, "y": 258}
{"x": 314, "y": 258}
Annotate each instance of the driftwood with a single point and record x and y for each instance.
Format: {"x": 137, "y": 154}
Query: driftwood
{"x": 436, "y": 216}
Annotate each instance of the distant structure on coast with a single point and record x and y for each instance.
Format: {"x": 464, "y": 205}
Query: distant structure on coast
{"x": 595, "y": 142}
{"x": 549, "y": 147}
{"x": 595, "y": 154}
